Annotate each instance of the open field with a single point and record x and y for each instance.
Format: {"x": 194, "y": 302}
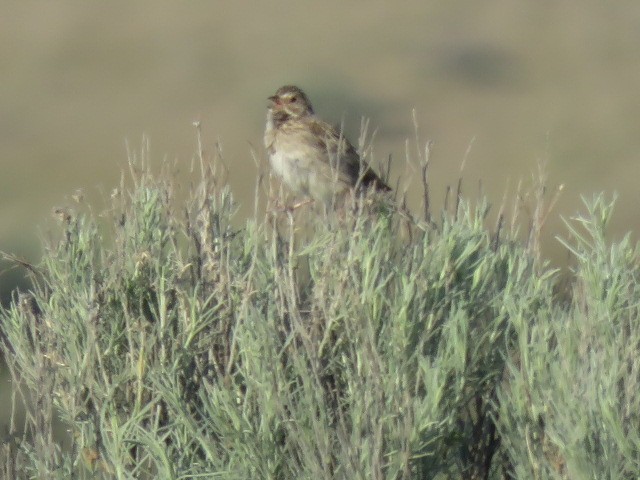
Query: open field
{"x": 520, "y": 81}
{"x": 512, "y": 83}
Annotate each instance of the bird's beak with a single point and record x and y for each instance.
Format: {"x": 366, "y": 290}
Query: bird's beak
{"x": 274, "y": 100}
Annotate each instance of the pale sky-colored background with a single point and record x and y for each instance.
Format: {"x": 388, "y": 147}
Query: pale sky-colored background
{"x": 528, "y": 80}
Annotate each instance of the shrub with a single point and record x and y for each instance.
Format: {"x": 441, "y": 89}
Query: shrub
{"x": 368, "y": 344}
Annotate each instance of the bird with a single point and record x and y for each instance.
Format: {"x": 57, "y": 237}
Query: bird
{"x": 310, "y": 155}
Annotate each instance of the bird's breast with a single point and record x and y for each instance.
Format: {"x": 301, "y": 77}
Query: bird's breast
{"x": 292, "y": 166}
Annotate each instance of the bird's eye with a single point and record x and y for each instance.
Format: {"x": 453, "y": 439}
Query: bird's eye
{"x": 293, "y": 99}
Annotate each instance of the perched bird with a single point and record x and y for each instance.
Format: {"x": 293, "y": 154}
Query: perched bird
{"x": 310, "y": 155}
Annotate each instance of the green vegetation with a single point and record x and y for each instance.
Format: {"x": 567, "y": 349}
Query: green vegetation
{"x": 369, "y": 344}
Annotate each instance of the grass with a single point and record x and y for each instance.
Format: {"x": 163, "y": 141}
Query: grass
{"x": 365, "y": 343}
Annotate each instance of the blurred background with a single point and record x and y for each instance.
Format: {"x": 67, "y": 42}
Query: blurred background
{"x": 514, "y": 82}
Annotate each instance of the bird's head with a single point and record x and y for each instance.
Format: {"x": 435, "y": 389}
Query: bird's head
{"x": 290, "y": 102}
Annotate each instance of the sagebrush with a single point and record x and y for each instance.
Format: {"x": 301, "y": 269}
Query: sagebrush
{"x": 361, "y": 343}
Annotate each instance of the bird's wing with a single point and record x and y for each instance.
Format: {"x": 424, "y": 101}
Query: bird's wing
{"x": 342, "y": 156}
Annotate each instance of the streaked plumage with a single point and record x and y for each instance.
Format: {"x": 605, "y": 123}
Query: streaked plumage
{"x": 310, "y": 155}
